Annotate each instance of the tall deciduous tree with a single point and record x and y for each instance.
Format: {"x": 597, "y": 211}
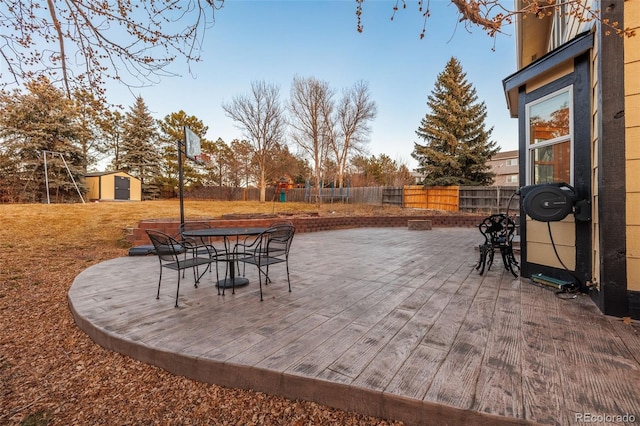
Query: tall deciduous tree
{"x": 260, "y": 115}
{"x": 114, "y": 128}
{"x": 379, "y": 171}
{"x": 242, "y": 165}
{"x": 353, "y": 113}
{"x": 456, "y": 144}
{"x": 95, "y": 125}
{"x": 41, "y": 122}
{"x": 311, "y": 107}
{"x": 140, "y": 154}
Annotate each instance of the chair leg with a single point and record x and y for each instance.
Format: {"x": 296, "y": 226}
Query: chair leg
{"x": 288, "y": 280}
{"x": 491, "y": 254}
{"x": 505, "y": 259}
{"x": 159, "y": 281}
{"x": 513, "y": 263}
{"x": 260, "y": 281}
{"x": 483, "y": 258}
{"x": 178, "y": 289}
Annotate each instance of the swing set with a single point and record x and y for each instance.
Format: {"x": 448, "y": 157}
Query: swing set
{"x": 46, "y": 173}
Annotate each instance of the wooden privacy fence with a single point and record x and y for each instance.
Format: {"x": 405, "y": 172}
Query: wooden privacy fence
{"x": 475, "y": 199}
{"x": 432, "y": 197}
{"x": 488, "y": 199}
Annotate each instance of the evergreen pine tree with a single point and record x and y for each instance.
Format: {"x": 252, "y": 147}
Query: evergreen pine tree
{"x": 171, "y": 131}
{"x": 40, "y": 122}
{"x": 456, "y": 144}
{"x": 140, "y": 153}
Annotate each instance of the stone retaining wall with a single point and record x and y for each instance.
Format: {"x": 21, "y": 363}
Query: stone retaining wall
{"x": 137, "y": 236}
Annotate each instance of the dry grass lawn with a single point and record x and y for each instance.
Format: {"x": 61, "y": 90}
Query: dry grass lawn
{"x": 52, "y": 373}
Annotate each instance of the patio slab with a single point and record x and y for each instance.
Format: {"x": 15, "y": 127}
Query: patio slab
{"x": 383, "y": 321}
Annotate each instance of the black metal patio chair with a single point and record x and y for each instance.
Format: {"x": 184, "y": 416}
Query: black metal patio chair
{"x": 498, "y": 231}
{"x": 268, "y": 248}
{"x": 171, "y": 253}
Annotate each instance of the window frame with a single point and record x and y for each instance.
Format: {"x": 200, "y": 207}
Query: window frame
{"x": 512, "y": 178}
{"x": 531, "y": 147}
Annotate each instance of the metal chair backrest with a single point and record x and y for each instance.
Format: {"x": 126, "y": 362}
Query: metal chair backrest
{"x": 167, "y": 248}
{"x": 279, "y": 239}
{"x": 498, "y": 229}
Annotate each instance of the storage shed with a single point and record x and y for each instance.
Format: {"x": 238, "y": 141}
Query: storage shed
{"x": 113, "y": 186}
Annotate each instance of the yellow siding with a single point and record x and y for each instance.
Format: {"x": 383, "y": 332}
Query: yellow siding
{"x": 633, "y": 274}
{"x": 93, "y": 184}
{"x": 108, "y": 191}
{"x": 632, "y": 111}
{"x": 539, "y": 248}
{"x": 633, "y": 241}
{"x": 632, "y": 143}
{"x": 543, "y": 254}
{"x": 595, "y": 123}
{"x": 632, "y": 136}
{"x": 633, "y": 175}
{"x": 136, "y": 190}
{"x": 564, "y": 232}
{"x": 632, "y": 20}
{"x": 633, "y": 209}
{"x": 544, "y": 79}
{"x": 632, "y": 77}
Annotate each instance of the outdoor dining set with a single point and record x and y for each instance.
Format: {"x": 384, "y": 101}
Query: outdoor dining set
{"x": 200, "y": 247}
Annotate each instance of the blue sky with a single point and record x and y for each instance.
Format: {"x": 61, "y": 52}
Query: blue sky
{"x": 277, "y": 40}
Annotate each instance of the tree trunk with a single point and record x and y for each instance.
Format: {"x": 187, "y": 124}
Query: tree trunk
{"x": 263, "y": 186}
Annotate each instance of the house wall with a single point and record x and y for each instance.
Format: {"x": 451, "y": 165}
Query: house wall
{"x": 632, "y": 147}
{"x": 502, "y": 164}
{"x": 595, "y": 161}
{"x": 539, "y": 249}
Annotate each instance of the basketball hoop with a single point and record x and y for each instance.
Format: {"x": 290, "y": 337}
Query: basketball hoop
{"x": 191, "y": 143}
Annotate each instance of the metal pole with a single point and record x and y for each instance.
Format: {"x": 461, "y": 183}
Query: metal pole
{"x": 46, "y": 176}
{"x": 181, "y": 184}
{"x": 71, "y": 176}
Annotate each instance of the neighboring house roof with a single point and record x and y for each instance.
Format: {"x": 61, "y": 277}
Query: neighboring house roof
{"x": 505, "y": 154}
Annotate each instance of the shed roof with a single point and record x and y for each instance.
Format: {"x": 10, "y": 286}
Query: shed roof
{"x": 106, "y": 173}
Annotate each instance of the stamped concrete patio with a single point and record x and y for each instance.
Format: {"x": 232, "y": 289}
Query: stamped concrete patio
{"x": 387, "y": 322}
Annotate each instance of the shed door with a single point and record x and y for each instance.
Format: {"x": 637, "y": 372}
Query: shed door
{"x": 122, "y": 188}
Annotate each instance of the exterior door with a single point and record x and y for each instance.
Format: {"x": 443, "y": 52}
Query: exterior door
{"x": 122, "y": 188}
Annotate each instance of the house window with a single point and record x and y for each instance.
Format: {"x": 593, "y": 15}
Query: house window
{"x": 512, "y": 179}
{"x": 550, "y": 138}
{"x": 512, "y": 162}
{"x": 559, "y": 25}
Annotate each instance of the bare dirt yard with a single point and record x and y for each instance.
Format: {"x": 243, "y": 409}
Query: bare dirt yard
{"x": 51, "y": 373}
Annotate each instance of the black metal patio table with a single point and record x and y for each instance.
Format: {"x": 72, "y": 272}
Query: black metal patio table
{"x": 226, "y": 234}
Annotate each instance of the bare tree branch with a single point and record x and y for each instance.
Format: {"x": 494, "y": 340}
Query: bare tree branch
{"x": 81, "y": 44}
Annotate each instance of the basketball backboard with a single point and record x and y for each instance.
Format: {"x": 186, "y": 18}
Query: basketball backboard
{"x": 191, "y": 144}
